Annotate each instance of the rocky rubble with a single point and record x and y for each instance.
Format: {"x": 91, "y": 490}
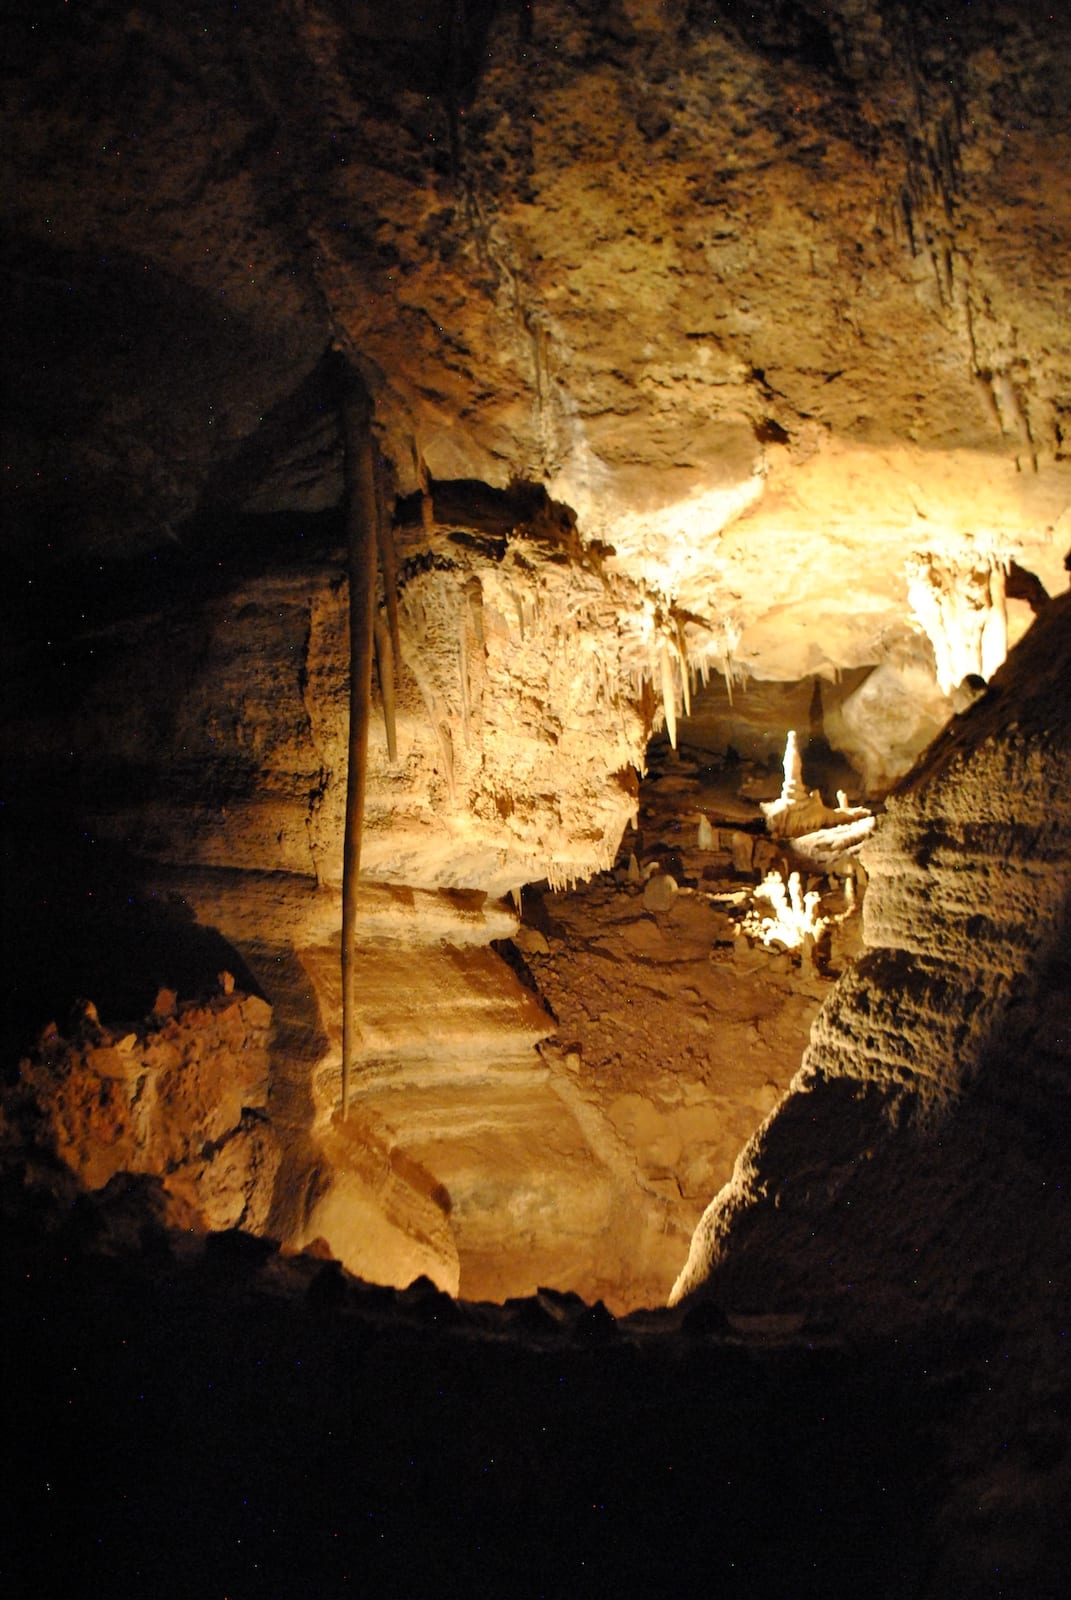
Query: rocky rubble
{"x": 182, "y": 1096}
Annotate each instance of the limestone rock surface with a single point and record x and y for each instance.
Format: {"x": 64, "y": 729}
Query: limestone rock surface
{"x": 774, "y": 301}
{"x": 914, "y": 1172}
{"x": 184, "y": 1098}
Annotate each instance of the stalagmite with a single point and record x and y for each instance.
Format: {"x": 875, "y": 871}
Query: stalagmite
{"x": 792, "y": 788}
{"x": 797, "y": 811}
{"x": 792, "y": 917}
{"x": 361, "y": 519}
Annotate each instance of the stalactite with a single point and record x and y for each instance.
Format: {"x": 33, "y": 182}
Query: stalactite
{"x": 388, "y": 638}
{"x": 388, "y": 565}
{"x": 686, "y": 676}
{"x": 731, "y": 635}
{"x": 361, "y": 518}
{"x": 438, "y": 717}
{"x": 385, "y": 659}
{"x": 669, "y": 693}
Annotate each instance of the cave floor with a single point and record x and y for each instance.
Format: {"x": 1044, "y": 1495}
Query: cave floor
{"x": 674, "y": 1037}
{"x": 200, "y": 1416}
{"x": 555, "y": 1109}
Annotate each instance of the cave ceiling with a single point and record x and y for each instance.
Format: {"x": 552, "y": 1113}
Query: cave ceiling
{"x": 770, "y": 299}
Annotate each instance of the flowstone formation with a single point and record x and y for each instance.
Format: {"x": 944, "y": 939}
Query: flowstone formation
{"x": 529, "y": 681}
{"x": 962, "y": 606}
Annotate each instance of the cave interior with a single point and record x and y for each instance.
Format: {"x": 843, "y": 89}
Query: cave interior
{"x": 536, "y": 798}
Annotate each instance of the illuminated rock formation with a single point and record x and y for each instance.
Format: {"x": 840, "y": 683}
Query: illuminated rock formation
{"x": 183, "y": 1096}
{"x": 798, "y": 811}
{"x": 963, "y": 609}
{"x": 951, "y": 1013}
{"x": 769, "y": 318}
{"x": 792, "y": 916}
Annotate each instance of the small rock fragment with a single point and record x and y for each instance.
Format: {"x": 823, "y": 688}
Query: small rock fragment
{"x": 257, "y": 1012}
{"x": 531, "y": 942}
{"x": 165, "y": 1004}
{"x": 660, "y": 892}
{"x": 742, "y": 846}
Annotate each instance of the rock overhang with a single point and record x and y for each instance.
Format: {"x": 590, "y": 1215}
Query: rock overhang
{"x": 768, "y": 313}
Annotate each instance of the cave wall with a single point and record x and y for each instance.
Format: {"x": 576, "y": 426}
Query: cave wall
{"x": 915, "y": 1175}
{"x": 771, "y": 301}
{"x": 213, "y": 732}
{"x": 954, "y": 1008}
{"x": 772, "y": 309}
{"x": 747, "y": 319}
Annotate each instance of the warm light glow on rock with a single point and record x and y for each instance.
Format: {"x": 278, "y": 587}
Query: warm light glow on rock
{"x": 793, "y": 915}
{"x": 799, "y": 812}
{"x": 961, "y": 605}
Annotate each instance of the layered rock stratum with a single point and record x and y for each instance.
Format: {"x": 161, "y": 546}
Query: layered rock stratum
{"x": 915, "y": 1173}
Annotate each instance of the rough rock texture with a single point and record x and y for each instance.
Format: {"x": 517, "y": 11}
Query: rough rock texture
{"x": 520, "y": 720}
{"x": 772, "y": 298}
{"x": 675, "y": 1035}
{"x": 562, "y": 1122}
{"x": 183, "y": 1097}
{"x": 916, "y": 1172}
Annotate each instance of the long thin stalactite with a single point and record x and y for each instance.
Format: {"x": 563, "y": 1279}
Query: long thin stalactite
{"x": 388, "y": 633}
{"x": 362, "y": 519}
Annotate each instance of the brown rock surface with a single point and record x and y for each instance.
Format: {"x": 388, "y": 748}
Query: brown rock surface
{"x": 771, "y": 304}
{"x": 915, "y": 1172}
{"x": 183, "y": 1097}
{"x": 703, "y": 339}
